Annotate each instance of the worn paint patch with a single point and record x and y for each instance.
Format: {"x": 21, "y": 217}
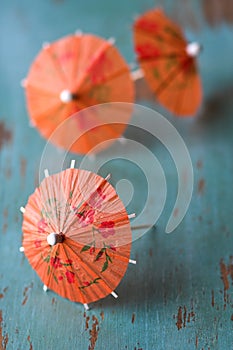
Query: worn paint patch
{"x": 212, "y": 298}
{"x": 30, "y": 342}
{"x": 196, "y": 342}
{"x": 94, "y": 331}
{"x": 224, "y": 274}
{"x": 3, "y": 292}
{"x": 5, "y": 224}
{"x": 3, "y": 337}
{"x": 184, "y": 316}
{"x": 25, "y": 293}
{"x": 133, "y": 318}
{"x": 179, "y": 322}
{"x": 102, "y": 315}
{"x": 87, "y": 322}
{"x": 201, "y": 186}
{"x": 5, "y": 135}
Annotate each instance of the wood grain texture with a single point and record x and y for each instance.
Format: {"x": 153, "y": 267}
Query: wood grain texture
{"x": 179, "y": 295}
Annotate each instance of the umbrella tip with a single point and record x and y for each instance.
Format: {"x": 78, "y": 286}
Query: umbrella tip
{"x": 23, "y": 83}
{"x": 66, "y": 96}
{"x": 114, "y": 294}
{"x": 54, "y": 238}
{"x": 112, "y": 41}
{"x": 45, "y": 44}
{"x": 134, "y": 262}
{"x": 108, "y": 177}
{"x": 131, "y": 216}
{"x": 193, "y": 49}
{"x": 137, "y": 74}
{"x": 21, "y": 249}
{"x": 51, "y": 239}
{"x": 31, "y": 124}
{"x": 22, "y": 209}
{"x": 46, "y": 173}
{"x": 133, "y": 65}
{"x": 45, "y": 288}
{"x": 72, "y": 164}
{"x": 86, "y": 307}
{"x": 78, "y": 32}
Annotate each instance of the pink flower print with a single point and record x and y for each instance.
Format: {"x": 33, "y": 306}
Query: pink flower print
{"x": 147, "y": 51}
{"x": 148, "y": 25}
{"x": 106, "y": 228}
{"x": 42, "y": 225}
{"x": 70, "y": 276}
{"x": 97, "y": 74}
{"x": 101, "y": 193}
{"x": 97, "y": 198}
{"x": 86, "y": 217}
{"x": 37, "y": 243}
{"x": 55, "y": 262}
{"x": 60, "y": 278}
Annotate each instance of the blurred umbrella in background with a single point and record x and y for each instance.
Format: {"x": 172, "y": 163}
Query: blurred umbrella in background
{"x": 71, "y": 74}
{"x": 168, "y": 62}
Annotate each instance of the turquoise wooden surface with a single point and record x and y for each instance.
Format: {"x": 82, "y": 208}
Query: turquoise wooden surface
{"x": 179, "y": 295}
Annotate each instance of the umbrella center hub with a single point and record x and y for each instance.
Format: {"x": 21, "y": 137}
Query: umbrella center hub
{"x": 54, "y": 238}
{"x": 193, "y": 49}
{"x": 67, "y": 96}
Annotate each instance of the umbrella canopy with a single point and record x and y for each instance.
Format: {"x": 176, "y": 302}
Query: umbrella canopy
{"x": 71, "y": 74}
{"x": 77, "y": 236}
{"x": 168, "y": 63}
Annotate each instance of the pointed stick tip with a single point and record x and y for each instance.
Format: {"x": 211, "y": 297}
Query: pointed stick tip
{"x": 23, "y": 83}
{"x": 108, "y": 177}
{"x": 86, "y": 307}
{"x": 45, "y": 44}
{"x": 46, "y": 173}
{"x": 22, "y": 209}
{"x": 112, "y": 41}
{"x": 131, "y": 216}
{"x": 134, "y": 262}
{"x": 114, "y": 295}
{"x": 72, "y": 164}
{"x": 78, "y": 32}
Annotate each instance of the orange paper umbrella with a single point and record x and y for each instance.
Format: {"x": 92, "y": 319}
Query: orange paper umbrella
{"x": 71, "y": 74}
{"x": 77, "y": 236}
{"x": 168, "y": 62}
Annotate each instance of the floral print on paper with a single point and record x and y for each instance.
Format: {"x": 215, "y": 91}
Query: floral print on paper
{"x": 106, "y": 228}
{"x": 59, "y": 268}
